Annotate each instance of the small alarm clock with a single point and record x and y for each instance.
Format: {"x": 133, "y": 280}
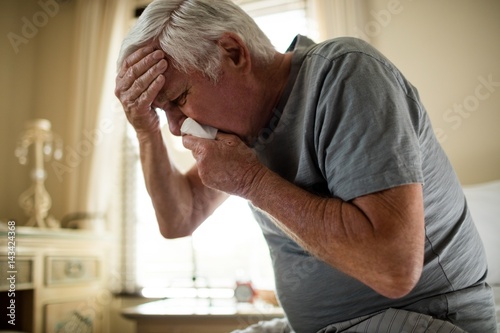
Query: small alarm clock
{"x": 244, "y": 292}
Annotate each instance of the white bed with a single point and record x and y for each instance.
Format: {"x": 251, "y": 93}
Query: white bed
{"x": 484, "y": 202}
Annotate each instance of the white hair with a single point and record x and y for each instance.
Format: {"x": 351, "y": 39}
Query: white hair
{"x": 188, "y": 31}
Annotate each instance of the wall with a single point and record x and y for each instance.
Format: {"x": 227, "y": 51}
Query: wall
{"x": 449, "y": 50}
{"x": 36, "y": 51}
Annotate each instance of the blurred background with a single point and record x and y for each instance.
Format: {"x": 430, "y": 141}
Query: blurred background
{"x": 58, "y": 63}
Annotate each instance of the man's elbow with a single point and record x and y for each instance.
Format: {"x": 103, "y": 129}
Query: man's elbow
{"x": 169, "y": 234}
{"x": 401, "y": 283}
{"x": 397, "y": 290}
{"x": 168, "y": 231}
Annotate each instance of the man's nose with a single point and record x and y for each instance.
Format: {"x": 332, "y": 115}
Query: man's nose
{"x": 175, "y": 120}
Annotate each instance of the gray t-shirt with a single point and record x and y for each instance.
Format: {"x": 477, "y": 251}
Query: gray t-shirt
{"x": 349, "y": 124}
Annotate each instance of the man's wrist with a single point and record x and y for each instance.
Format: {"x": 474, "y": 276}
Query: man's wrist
{"x": 151, "y": 135}
{"x": 260, "y": 184}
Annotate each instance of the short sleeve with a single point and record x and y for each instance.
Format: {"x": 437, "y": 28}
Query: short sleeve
{"x": 367, "y": 128}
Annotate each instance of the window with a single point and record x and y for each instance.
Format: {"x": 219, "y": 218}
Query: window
{"x": 228, "y": 246}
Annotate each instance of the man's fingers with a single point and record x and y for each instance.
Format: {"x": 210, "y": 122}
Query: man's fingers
{"x": 146, "y": 98}
{"x": 190, "y": 142}
{"x": 144, "y": 81}
{"x": 146, "y": 68}
{"x": 134, "y": 58}
{"x": 141, "y": 78}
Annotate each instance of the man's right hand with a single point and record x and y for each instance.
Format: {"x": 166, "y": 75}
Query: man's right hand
{"x": 138, "y": 82}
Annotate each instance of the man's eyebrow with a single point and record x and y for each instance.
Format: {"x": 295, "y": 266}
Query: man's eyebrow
{"x": 169, "y": 96}
{"x": 178, "y": 89}
{"x": 161, "y": 97}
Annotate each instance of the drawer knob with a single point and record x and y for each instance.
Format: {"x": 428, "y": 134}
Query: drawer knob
{"x": 74, "y": 269}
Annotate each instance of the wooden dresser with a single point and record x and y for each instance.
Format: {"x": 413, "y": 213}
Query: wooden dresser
{"x": 53, "y": 280}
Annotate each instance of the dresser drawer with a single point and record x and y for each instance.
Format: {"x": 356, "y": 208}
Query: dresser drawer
{"x": 61, "y": 270}
{"x": 72, "y": 316}
{"x": 21, "y": 268}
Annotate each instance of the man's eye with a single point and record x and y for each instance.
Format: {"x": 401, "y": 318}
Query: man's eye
{"x": 181, "y": 100}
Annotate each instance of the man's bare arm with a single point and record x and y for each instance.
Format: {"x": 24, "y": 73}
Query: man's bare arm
{"x": 181, "y": 202}
{"x": 377, "y": 239}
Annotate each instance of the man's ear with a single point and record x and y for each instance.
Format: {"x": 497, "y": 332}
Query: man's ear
{"x": 235, "y": 52}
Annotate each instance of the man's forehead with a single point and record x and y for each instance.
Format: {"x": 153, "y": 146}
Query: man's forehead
{"x": 175, "y": 80}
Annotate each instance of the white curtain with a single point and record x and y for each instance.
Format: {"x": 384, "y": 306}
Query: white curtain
{"x": 336, "y": 18}
{"x": 95, "y": 125}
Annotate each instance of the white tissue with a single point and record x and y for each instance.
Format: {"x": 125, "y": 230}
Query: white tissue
{"x": 191, "y": 127}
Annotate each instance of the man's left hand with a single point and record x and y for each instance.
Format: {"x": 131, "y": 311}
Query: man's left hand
{"x": 226, "y": 163}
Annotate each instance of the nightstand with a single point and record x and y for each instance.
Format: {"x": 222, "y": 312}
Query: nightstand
{"x": 55, "y": 280}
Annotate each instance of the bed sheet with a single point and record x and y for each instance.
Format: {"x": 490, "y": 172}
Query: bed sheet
{"x": 496, "y": 290}
{"x": 484, "y": 203}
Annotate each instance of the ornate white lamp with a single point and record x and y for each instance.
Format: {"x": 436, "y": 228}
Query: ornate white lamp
{"x": 35, "y": 201}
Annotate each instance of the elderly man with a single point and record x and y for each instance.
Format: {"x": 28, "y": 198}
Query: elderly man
{"x": 364, "y": 216}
